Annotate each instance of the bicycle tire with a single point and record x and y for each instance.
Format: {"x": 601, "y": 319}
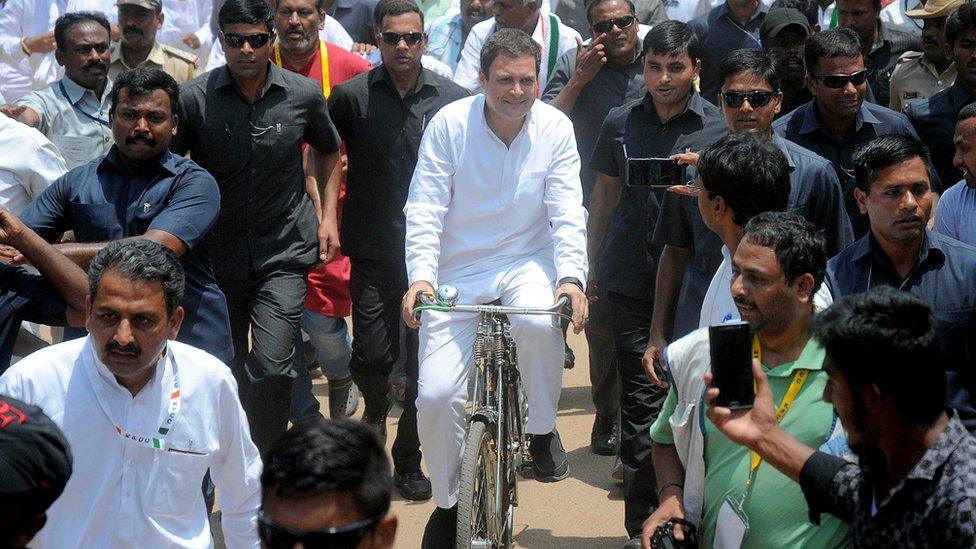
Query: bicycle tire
{"x": 477, "y": 523}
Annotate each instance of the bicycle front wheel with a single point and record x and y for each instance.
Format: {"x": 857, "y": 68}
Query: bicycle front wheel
{"x": 478, "y": 524}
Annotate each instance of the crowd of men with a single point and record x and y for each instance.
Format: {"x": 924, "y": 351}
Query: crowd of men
{"x": 202, "y": 192}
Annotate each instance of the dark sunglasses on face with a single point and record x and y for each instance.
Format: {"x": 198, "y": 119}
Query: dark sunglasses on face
{"x": 276, "y": 536}
{"x": 255, "y": 40}
{"x": 621, "y": 23}
{"x": 393, "y": 38}
{"x": 837, "y": 81}
{"x": 757, "y": 99}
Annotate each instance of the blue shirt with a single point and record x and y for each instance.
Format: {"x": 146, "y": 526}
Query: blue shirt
{"x": 444, "y": 38}
{"x": 100, "y": 202}
{"x": 25, "y": 297}
{"x": 957, "y": 208}
{"x": 942, "y": 276}
{"x": 803, "y": 127}
{"x": 719, "y": 33}
{"x": 934, "y": 118}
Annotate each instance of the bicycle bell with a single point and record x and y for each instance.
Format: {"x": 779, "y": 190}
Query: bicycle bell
{"x": 447, "y": 295}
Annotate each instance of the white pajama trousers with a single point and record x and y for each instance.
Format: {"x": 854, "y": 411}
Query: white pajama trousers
{"x": 446, "y": 359}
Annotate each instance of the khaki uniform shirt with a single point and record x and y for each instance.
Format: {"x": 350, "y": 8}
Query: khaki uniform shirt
{"x": 182, "y": 66}
{"x": 916, "y": 77}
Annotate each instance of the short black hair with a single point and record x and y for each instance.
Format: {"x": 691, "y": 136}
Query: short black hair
{"x": 512, "y": 43}
{"x": 960, "y": 20}
{"x": 749, "y": 172}
{"x": 887, "y": 337}
{"x": 875, "y": 4}
{"x": 319, "y": 5}
{"x": 592, "y": 5}
{"x": 392, "y": 8}
{"x": 809, "y": 9}
{"x": 68, "y": 20}
{"x": 246, "y": 12}
{"x": 883, "y": 152}
{"x": 142, "y": 81}
{"x": 755, "y": 62}
{"x": 142, "y": 260}
{"x": 830, "y": 44}
{"x": 672, "y": 38}
{"x": 799, "y": 246}
{"x": 967, "y": 112}
{"x": 336, "y": 456}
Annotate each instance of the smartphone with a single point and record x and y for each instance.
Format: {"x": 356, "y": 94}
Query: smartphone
{"x": 653, "y": 172}
{"x": 731, "y": 354}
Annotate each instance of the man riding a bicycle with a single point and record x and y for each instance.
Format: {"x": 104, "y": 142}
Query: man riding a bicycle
{"x": 495, "y": 209}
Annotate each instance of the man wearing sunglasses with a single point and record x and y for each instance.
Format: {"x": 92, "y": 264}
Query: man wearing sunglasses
{"x": 838, "y": 119}
{"x": 245, "y": 123}
{"x": 552, "y": 36}
{"x": 586, "y": 83}
{"x": 327, "y": 484}
{"x": 381, "y": 116}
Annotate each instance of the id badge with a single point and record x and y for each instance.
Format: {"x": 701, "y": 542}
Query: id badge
{"x": 732, "y": 525}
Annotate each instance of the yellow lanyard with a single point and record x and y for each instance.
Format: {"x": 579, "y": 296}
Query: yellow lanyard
{"x": 324, "y": 55}
{"x": 799, "y": 378}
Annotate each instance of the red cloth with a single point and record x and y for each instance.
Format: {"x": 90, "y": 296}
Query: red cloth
{"x": 328, "y": 285}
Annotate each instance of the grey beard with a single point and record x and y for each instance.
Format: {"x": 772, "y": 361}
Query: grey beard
{"x": 298, "y": 45}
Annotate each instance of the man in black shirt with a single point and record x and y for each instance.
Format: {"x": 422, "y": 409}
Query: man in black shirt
{"x": 381, "y": 116}
{"x": 245, "y": 124}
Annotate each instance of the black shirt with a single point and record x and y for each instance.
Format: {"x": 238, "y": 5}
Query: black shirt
{"x": 882, "y": 57}
{"x": 382, "y": 133}
{"x": 25, "y": 297}
{"x": 719, "y": 33}
{"x": 611, "y": 87}
{"x": 627, "y": 262}
{"x": 934, "y": 118}
{"x": 266, "y": 220}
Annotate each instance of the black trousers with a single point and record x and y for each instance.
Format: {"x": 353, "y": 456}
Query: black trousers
{"x": 269, "y": 306}
{"x": 640, "y": 403}
{"x": 604, "y": 385}
{"x": 377, "y": 289}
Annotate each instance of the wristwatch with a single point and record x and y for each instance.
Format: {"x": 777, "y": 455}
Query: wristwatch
{"x": 571, "y": 280}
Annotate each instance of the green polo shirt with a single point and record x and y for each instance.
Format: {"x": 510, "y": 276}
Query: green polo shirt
{"x": 777, "y": 511}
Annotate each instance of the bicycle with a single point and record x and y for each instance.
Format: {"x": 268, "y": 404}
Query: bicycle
{"x": 489, "y": 487}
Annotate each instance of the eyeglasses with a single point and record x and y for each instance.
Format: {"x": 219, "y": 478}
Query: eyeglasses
{"x": 393, "y": 38}
{"x": 837, "y": 81}
{"x": 620, "y": 22}
{"x": 757, "y": 98}
{"x": 276, "y": 536}
{"x": 255, "y": 40}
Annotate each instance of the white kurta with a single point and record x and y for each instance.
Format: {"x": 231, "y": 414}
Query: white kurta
{"x": 125, "y": 494}
{"x": 466, "y": 73}
{"x": 497, "y": 222}
{"x": 22, "y": 19}
{"x": 29, "y": 163}
{"x": 182, "y": 17}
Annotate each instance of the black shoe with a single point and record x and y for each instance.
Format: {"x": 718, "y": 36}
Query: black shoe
{"x": 378, "y": 423}
{"x": 569, "y": 359}
{"x": 441, "y": 529}
{"x": 603, "y": 437}
{"x": 413, "y": 485}
{"x": 633, "y": 543}
{"x": 549, "y": 462}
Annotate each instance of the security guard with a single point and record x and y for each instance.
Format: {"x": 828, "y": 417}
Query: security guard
{"x": 139, "y": 20}
{"x": 920, "y": 74}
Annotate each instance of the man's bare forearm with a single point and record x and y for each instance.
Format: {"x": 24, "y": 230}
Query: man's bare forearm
{"x": 328, "y": 174}
{"x": 667, "y": 465}
{"x": 62, "y": 272}
{"x": 670, "y": 274}
{"x": 565, "y": 100}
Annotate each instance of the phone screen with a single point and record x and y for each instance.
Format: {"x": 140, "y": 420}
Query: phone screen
{"x": 731, "y": 354}
{"x": 653, "y": 172}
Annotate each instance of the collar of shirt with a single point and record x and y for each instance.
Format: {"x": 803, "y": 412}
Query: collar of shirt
{"x": 810, "y": 358}
{"x": 155, "y": 57}
{"x": 868, "y": 247}
{"x": 884, "y": 37}
{"x": 101, "y": 378}
{"x": 927, "y": 65}
{"x": 223, "y": 78}
{"x": 783, "y": 145}
{"x": 167, "y": 160}
{"x": 695, "y": 104}
{"x": 76, "y": 92}
{"x": 960, "y": 95}
{"x": 380, "y": 74}
{"x": 811, "y": 118}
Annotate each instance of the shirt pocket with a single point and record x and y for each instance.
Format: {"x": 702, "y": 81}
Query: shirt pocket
{"x": 144, "y": 214}
{"x": 176, "y": 483}
{"x": 530, "y": 192}
{"x": 77, "y": 150}
{"x": 94, "y": 222}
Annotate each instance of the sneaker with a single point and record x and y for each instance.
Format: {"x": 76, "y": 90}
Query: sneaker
{"x": 549, "y": 461}
{"x": 413, "y": 485}
{"x": 378, "y": 423}
{"x": 603, "y": 437}
{"x": 441, "y": 529}
{"x": 617, "y": 471}
{"x": 343, "y": 398}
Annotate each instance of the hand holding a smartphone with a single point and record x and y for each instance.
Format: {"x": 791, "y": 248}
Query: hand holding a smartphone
{"x": 744, "y": 426}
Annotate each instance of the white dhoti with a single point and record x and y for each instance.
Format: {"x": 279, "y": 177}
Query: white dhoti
{"x": 446, "y": 359}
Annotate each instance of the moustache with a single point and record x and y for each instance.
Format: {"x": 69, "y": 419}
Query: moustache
{"x": 743, "y": 302}
{"x": 95, "y": 65}
{"x": 909, "y": 219}
{"x": 131, "y": 349}
{"x": 140, "y": 139}
{"x": 133, "y": 30}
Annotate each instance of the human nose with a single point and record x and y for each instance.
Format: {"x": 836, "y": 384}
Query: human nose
{"x": 142, "y": 125}
{"x": 746, "y": 106}
{"x": 737, "y": 288}
{"x": 123, "y": 334}
{"x": 246, "y": 47}
{"x": 908, "y": 201}
{"x": 957, "y": 159}
{"x": 294, "y": 19}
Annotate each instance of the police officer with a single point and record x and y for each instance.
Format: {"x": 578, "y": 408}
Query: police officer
{"x": 139, "y": 20}
{"x": 923, "y": 73}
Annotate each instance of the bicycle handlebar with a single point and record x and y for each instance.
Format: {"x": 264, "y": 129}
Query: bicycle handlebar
{"x": 428, "y": 303}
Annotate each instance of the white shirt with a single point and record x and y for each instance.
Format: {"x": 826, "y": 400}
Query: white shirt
{"x": 718, "y": 306}
{"x": 105, "y": 6}
{"x": 28, "y": 164}
{"x": 332, "y": 32}
{"x": 466, "y": 74}
{"x": 475, "y": 205}
{"x": 125, "y": 494}
{"x": 22, "y": 19}
{"x": 182, "y": 17}
{"x": 894, "y": 14}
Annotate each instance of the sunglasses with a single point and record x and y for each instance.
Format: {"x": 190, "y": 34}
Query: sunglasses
{"x": 621, "y": 23}
{"x": 255, "y": 40}
{"x": 393, "y": 38}
{"x": 837, "y": 81}
{"x": 757, "y": 99}
{"x": 276, "y": 536}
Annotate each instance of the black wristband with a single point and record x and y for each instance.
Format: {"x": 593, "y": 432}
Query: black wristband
{"x": 571, "y": 280}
